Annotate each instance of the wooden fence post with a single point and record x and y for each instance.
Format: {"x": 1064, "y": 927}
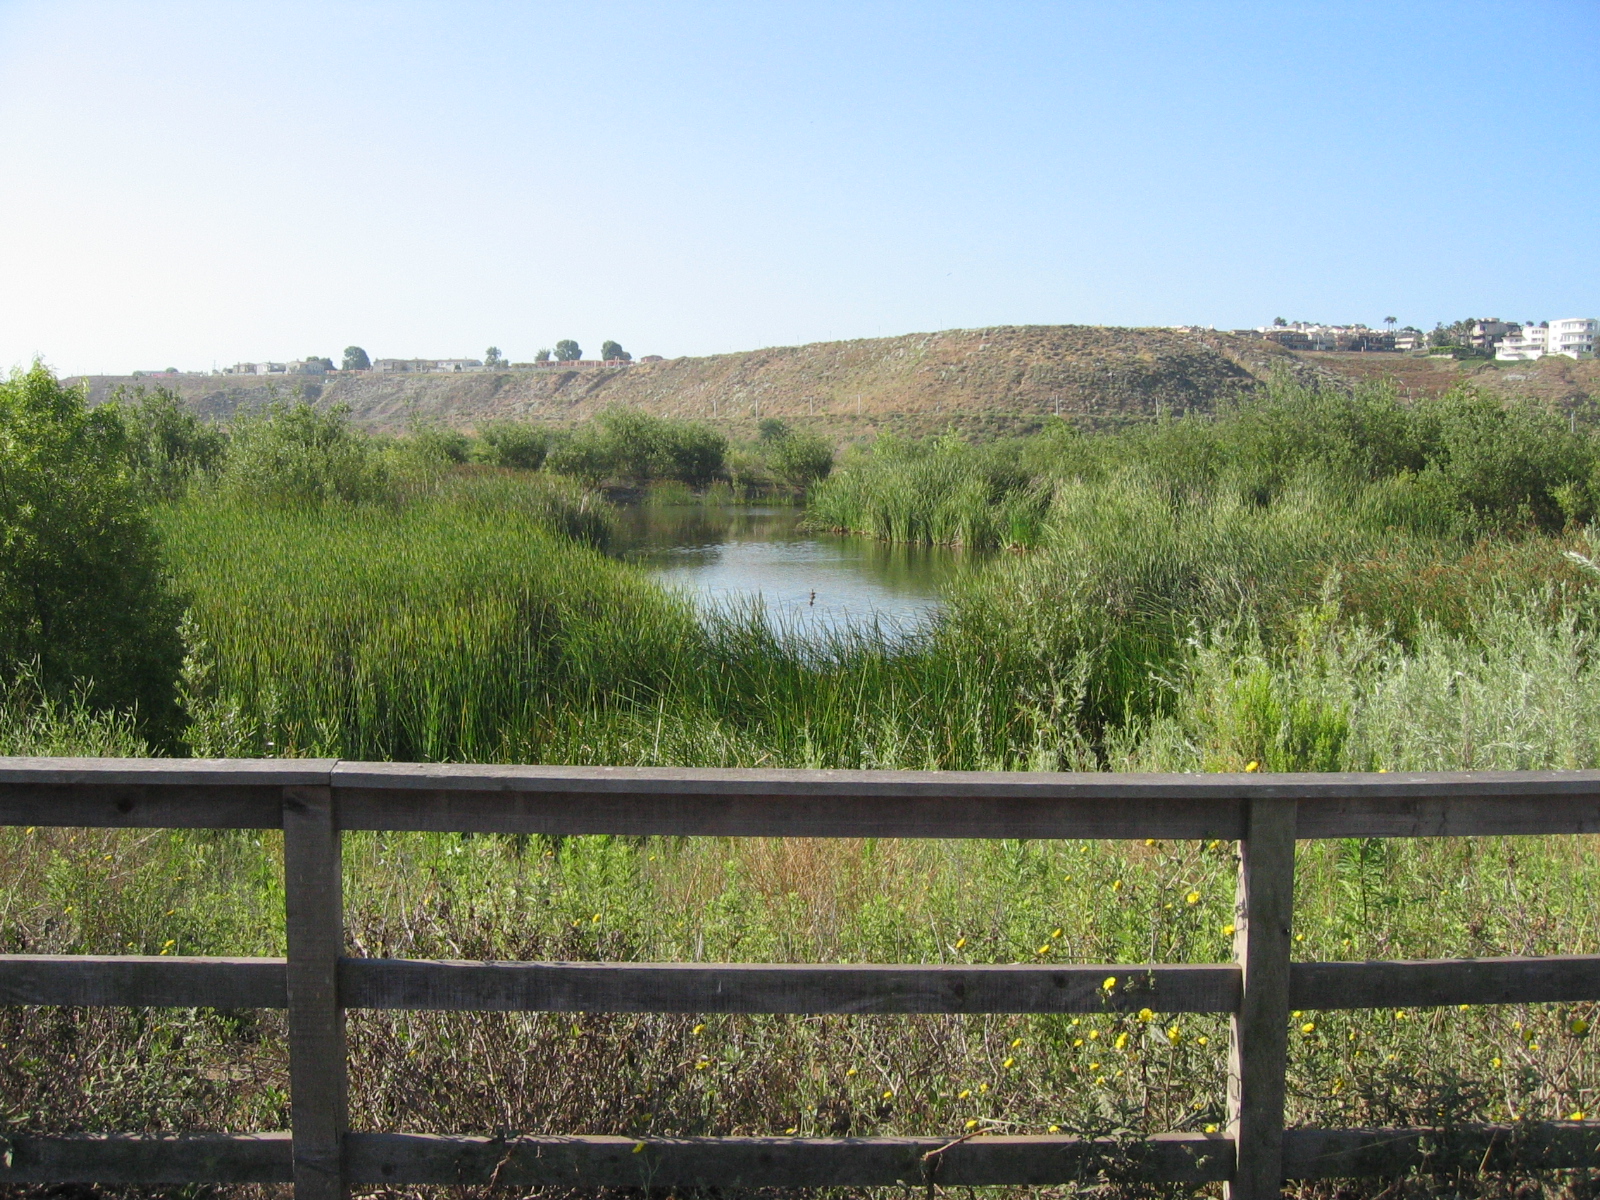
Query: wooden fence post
{"x": 1259, "y": 1046}
{"x": 318, "y": 1084}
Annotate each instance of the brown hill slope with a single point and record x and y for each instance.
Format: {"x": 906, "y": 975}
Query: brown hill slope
{"x": 980, "y": 381}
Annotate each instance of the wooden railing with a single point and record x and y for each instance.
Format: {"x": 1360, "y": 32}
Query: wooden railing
{"x": 313, "y": 801}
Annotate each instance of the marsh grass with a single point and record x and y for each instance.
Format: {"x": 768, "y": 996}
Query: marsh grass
{"x": 1186, "y": 602}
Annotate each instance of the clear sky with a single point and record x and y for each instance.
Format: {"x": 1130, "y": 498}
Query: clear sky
{"x": 193, "y": 184}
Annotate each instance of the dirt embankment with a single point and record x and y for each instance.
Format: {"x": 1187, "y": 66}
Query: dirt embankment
{"x": 1005, "y": 379}
{"x": 978, "y": 380}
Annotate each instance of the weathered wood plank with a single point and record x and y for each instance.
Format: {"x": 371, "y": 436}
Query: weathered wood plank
{"x": 318, "y": 1080}
{"x": 574, "y": 800}
{"x": 1355, "y": 1153}
{"x": 1433, "y": 982}
{"x": 155, "y": 793}
{"x": 741, "y": 1163}
{"x": 134, "y": 980}
{"x": 125, "y": 1158}
{"x": 569, "y": 800}
{"x": 570, "y": 813}
{"x": 753, "y": 988}
{"x": 1258, "y": 1047}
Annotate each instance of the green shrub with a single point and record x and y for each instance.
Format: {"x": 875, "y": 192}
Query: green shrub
{"x": 294, "y": 455}
{"x": 634, "y": 447}
{"x": 512, "y": 444}
{"x": 85, "y": 609}
{"x": 167, "y": 445}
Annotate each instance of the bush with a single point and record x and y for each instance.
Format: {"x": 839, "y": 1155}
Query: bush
{"x": 512, "y": 444}
{"x": 293, "y": 455}
{"x": 799, "y": 459}
{"x": 85, "y": 608}
{"x": 638, "y": 448}
{"x": 167, "y": 445}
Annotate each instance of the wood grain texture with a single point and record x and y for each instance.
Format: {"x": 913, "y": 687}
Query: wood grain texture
{"x": 575, "y": 800}
{"x": 572, "y": 800}
{"x": 736, "y": 1164}
{"x": 1435, "y": 982}
{"x": 1356, "y": 1153}
{"x": 134, "y": 980}
{"x": 1258, "y": 1045}
{"x": 151, "y": 793}
{"x": 318, "y": 1079}
{"x": 750, "y": 988}
{"x": 125, "y": 1158}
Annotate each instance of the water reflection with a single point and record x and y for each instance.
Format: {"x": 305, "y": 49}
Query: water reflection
{"x": 730, "y": 555}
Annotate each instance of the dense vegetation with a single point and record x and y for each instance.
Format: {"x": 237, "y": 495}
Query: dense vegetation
{"x": 1310, "y": 581}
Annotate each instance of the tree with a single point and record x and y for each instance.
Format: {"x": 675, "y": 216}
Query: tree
{"x": 568, "y": 350}
{"x": 542, "y": 356}
{"x": 167, "y": 445}
{"x": 1391, "y": 322}
{"x": 293, "y": 455}
{"x": 491, "y": 357}
{"x": 1279, "y": 322}
{"x": 355, "y": 359}
{"x": 84, "y": 602}
{"x": 613, "y": 352}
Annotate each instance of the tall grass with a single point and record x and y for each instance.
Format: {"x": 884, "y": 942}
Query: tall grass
{"x": 441, "y": 631}
{"x": 1191, "y": 597}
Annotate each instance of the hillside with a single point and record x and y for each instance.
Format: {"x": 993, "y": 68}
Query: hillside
{"x": 979, "y": 381}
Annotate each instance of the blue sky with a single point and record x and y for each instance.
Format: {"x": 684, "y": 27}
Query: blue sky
{"x": 189, "y": 184}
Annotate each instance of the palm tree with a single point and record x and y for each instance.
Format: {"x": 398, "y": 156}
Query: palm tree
{"x": 1390, "y": 321}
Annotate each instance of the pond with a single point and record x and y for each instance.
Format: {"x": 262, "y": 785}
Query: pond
{"x": 808, "y": 582}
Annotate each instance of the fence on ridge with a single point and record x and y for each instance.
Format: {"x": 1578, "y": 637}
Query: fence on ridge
{"x": 313, "y": 801}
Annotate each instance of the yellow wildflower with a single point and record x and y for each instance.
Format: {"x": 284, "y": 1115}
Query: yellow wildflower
{"x": 1192, "y": 898}
{"x": 1110, "y": 983}
{"x": 1252, "y": 765}
{"x": 1146, "y": 1015}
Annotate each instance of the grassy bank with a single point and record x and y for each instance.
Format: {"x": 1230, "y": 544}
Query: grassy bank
{"x": 1189, "y": 597}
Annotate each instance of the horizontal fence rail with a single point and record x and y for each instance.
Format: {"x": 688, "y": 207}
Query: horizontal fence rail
{"x": 313, "y": 801}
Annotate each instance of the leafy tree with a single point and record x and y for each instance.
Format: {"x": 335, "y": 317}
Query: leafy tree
{"x": 491, "y": 357}
{"x": 800, "y": 459}
{"x": 167, "y": 445}
{"x": 355, "y": 359}
{"x": 512, "y": 444}
{"x": 613, "y": 352}
{"x": 772, "y": 429}
{"x": 84, "y": 602}
{"x": 1279, "y": 322}
{"x": 568, "y": 350}
{"x": 542, "y": 356}
{"x": 622, "y": 443}
{"x": 294, "y": 455}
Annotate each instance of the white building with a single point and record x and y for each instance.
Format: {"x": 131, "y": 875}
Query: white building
{"x": 1572, "y": 336}
{"x": 1527, "y": 342}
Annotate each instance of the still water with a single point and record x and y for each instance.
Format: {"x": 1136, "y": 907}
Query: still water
{"x": 728, "y": 556}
